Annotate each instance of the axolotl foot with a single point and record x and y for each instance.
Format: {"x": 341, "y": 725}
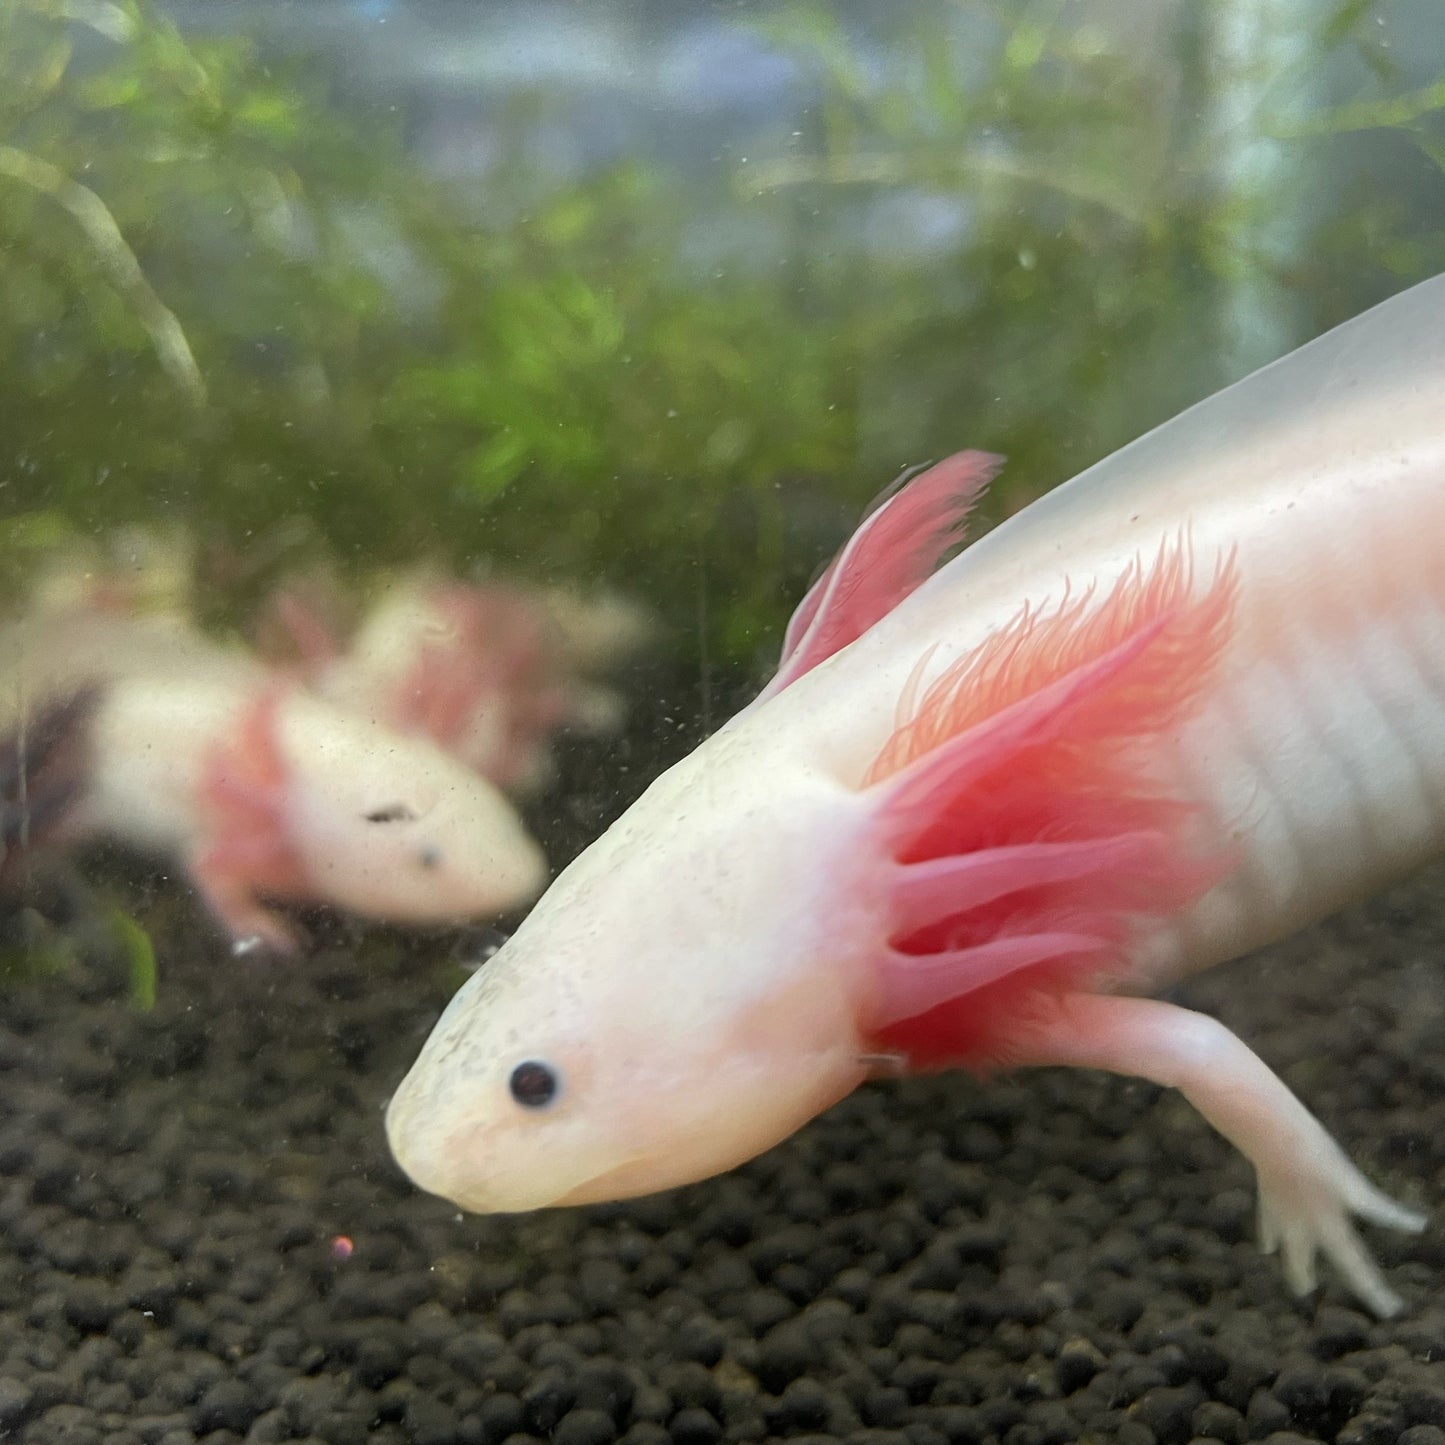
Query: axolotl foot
{"x": 228, "y": 891}
{"x": 1305, "y": 1211}
{"x": 265, "y": 935}
{"x": 1308, "y": 1189}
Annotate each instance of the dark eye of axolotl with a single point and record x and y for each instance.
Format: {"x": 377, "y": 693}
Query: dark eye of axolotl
{"x": 534, "y": 1085}
{"x": 430, "y": 857}
{"x": 392, "y": 813}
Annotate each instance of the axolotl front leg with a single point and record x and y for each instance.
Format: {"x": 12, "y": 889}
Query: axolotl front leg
{"x": 225, "y": 874}
{"x": 245, "y": 850}
{"x": 1308, "y": 1188}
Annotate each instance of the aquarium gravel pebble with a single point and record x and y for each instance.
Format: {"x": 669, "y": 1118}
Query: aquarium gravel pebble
{"x": 204, "y": 1239}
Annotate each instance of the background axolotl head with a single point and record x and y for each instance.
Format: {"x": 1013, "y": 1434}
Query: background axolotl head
{"x": 681, "y": 999}
{"x": 391, "y": 827}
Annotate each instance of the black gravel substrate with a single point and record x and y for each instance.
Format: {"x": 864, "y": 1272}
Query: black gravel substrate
{"x": 202, "y": 1237}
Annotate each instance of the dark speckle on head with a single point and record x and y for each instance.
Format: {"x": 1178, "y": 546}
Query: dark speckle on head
{"x": 534, "y": 1085}
{"x": 430, "y": 856}
{"x": 392, "y": 813}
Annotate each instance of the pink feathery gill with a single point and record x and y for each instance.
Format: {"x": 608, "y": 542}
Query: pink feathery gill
{"x": 1175, "y": 709}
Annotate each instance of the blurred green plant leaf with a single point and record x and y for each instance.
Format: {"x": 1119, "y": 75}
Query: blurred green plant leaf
{"x": 223, "y": 297}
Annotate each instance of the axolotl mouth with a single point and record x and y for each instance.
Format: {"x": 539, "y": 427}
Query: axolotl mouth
{"x": 626, "y": 1181}
{"x": 480, "y": 1168}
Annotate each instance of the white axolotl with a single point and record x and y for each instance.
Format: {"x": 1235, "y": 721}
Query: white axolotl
{"x": 1173, "y": 710}
{"x": 259, "y": 789}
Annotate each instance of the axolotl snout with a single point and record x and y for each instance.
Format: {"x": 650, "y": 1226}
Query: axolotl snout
{"x": 1173, "y": 710}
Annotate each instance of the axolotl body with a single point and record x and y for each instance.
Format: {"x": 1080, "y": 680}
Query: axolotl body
{"x": 1177, "y": 708}
{"x": 262, "y": 791}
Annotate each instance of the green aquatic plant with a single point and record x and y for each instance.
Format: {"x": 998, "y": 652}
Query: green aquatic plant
{"x": 135, "y": 946}
{"x": 252, "y": 308}
{"x": 1122, "y": 220}
{"x": 90, "y": 931}
{"x": 231, "y": 302}
{"x": 32, "y": 948}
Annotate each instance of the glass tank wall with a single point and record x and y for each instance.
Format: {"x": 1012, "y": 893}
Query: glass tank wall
{"x": 419, "y": 422}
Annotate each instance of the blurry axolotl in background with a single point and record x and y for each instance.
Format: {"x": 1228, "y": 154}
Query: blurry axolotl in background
{"x": 489, "y": 671}
{"x": 181, "y": 748}
{"x": 138, "y": 571}
{"x": 1175, "y": 709}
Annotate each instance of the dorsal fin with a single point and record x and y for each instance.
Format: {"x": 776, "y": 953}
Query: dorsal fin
{"x": 1020, "y": 802}
{"x": 901, "y": 540}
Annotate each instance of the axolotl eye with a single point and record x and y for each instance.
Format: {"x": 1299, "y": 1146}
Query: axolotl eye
{"x": 534, "y": 1085}
{"x": 430, "y": 857}
{"x": 392, "y": 813}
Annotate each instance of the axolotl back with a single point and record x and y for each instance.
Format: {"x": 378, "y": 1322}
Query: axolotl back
{"x": 1179, "y": 707}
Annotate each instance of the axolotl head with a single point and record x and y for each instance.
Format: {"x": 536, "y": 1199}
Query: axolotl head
{"x": 392, "y": 827}
{"x": 681, "y": 999}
